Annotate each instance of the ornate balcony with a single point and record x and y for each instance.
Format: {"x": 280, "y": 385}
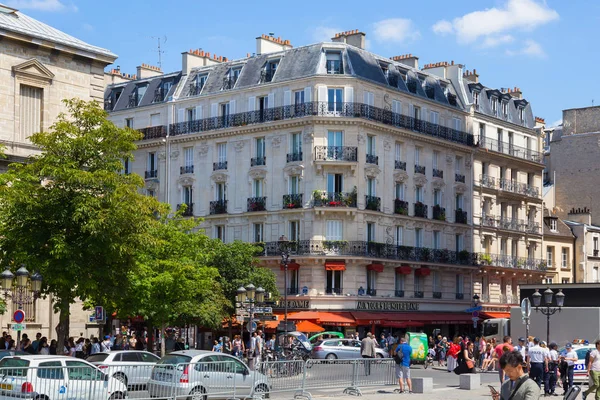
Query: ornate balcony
{"x": 438, "y": 173}
{"x": 257, "y": 204}
{"x": 257, "y": 161}
{"x": 372, "y": 159}
{"x": 154, "y": 132}
{"x": 506, "y": 261}
{"x": 439, "y": 213}
{"x": 218, "y": 207}
{"x": 297, "y": 156}
{"x": 419, "y": 169}
{"x": 509, "y": 185}
{"x": 400, "y": 165}
{"x": 187, "y": 169}
{"x": 400, "y": 207}
{"x": 336, "y": 153}
{"x": 487, "y": 181}
{"x": 419, "y": 294}
{"x": 335, "y": 199}
{"x": 152, "y": 174}
{"x": 420, "y": 210}
{"x": 372, "y": 203}
{"x": 510, "y": 149}
{"x": 311, "y": 109}
{"x": 460, "y": 216}
{"x": 219, "y": 165}
{"x": 399, "y": 293}
{"x": 189, "y": 209}
{"x": 459, "y": 178}
{"x": 291, "y": 201}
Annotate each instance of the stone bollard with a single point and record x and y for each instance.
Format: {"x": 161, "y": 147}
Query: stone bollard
{"x": 470, "y": 381}
{"x": 422, "y": 385}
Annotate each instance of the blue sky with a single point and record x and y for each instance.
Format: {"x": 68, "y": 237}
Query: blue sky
{"x": 540, "y": 46}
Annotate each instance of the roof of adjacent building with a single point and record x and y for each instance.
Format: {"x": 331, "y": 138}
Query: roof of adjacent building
{"x": 15, "y": 21}
{"x": 309, "y": 61}
{"x": 562, "y": 229}
{"x": 588, "y": 226}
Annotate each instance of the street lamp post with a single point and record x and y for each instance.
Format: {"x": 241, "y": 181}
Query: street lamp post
{"x": 247, "y": 299}
{"x": 285, "y": 258}
{"x": 26, "y": 290}
{"x": 547, "y": 309}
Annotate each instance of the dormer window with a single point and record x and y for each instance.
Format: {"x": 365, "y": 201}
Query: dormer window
{"x": 269, "y": 71}
{"x": 476, "y": 100}
{"x": 334, "y": 63}
{"x": 521, "y": 114}
{"x": 136, "y": 97}
{"x": 411, "y": 84}
{"x": 402, "y": 75}
{"x": 162, "y": 91}
{"x": 553, "y": 225}
{"x": 231, "y": 78}
{"x": 505, "y": 109}
{"x": 494, "y": 106}
{"x": 429, "y": 90}
{"x": 198, "y": 84}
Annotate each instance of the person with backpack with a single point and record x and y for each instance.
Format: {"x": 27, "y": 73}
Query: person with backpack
{"x": 402, "y": 358}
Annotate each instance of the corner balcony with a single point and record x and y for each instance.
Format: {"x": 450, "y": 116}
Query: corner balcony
{"x": 439, "y": 213}
{"x": 400, "y": 207}
{"x": 291, "y": 201}
{"x": 334, "y": 199}
{"x": 420, "y": 210}
{"x": 189, "y": 209}
{"x": 218, "y": 207}
{"x": 187, "y": 169}
{"x": 372, "y": 203}
{"x": 257, "y": 204}
{"x": 219, "y": 165}
{"x": 514, "y": 262}
{"x": 336, "y": 153}
{"x": 510, "y": 150}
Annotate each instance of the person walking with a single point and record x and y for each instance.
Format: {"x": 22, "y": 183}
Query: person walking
{"x": 499, "y": 351}
{"x": 570, "y": 356}
{"x": 593, "y": 370}
{"x": 538, "y": 362}
{"x": 452, "y": 354}
{"x": 95, "y": 346}
{"x": 106, "y": 346}
{"x": 552, "y": 375}
{"x": 402, "y": 355}
{"x": 367, "y": 350}
{"x": 518, "y": 386}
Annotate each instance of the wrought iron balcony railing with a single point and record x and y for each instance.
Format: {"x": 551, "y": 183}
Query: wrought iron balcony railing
{"x": 229, "y": 82}
{"x": 218, "y": 207}
{"x": 487, "y": 181}
{"x": 509, "y": 185}
{"x": 336, "y": 153}
{"x": 459, "y": 296}
{"x": 438, "y": 173}
{"x": 439, "y": 213}
{"x": 154, "y": 132}
{"x": 400, "y": 207}
{"x": 506, "y": 261}
{"x": 334, "y": 199}
{"x": 334, "y": 67}
{"x": 399, "y": 293}
{"x": 437, "y": 295}
{"x": 189, "y": 209}
{"x": 459, "y": 178}
{"x": 420, "y": 210}
{"x": 159, "y": 95}
{"x": 151, "y": 174}
{"x": 372, "y": 250}
{"x": 419, "y": 294}
{"x": 372, "y": 203}
{"x": 372, "y": 159}
{"x": 291, "y": 201}
{"x": 133, "y": 100}
{"x": 296, "y": 156}
{"x": 219, "y": 165}
{"x": 400, "y": 165}
{"x": 257, "y": 161}
{"x": 419, "y": 169}
{"x": 186, "y": 169}
{"x": 510, "y": 149}
{"x": 311, "y": 109}
{"x": 460, "y": 217}
{"x": 257, "y": 204}
{"x": 293, "y": 290}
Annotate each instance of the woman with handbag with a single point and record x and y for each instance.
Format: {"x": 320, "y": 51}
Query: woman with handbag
{"x": 469, "y": 358}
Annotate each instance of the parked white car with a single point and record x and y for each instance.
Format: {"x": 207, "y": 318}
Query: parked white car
{"x": 56, "y": 377}
{"x": 132, "y": 367}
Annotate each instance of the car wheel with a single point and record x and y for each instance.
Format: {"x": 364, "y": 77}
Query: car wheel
{"x": 116, "y": 396}
{"x": 121, "y": 378}
{"x": 262, "y": 389}
{"x": 379, "y": 355}
{"x": 331, "y": 356}
{"x": 198, "y": 394}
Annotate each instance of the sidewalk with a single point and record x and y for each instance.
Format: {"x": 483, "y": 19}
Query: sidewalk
{"x": 447, "y": 393}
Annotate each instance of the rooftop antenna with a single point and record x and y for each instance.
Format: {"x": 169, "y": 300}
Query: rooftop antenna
{"x": 272, "y": 34}
{"x": 159, "y": 49}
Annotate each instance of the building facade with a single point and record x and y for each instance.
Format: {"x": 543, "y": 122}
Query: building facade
{"x": 39, "y": 67}
{"x": 587, "y": 247}
{"x": 559, "y": 246}
{"x": 364, "y": 163}
{"x": 507, "y": 187}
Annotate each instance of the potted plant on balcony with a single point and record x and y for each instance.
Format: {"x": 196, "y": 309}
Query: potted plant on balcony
{"x": 330, "y": 245}
{"x": 463, "y": 256}
{"x": 440, "y": 214}
{"x": 542, "y": 265}
{"x": 486, "y": 258}
{"x": 351, "y": 198}
{"x": 399, "y": 209}
{"x": 318, "y": 197}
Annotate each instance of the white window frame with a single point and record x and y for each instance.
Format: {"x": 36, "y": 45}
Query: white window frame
{"x": 460, "y": 242}
{"x": 370, "y": 232}
{"x": 334, "y": 230}
{"x": 399, "y": 235}
{"x": 257, "y": 187}
{"x": 220, "y": 231}
{"x": 418, "y": 194}
{"x": 294, "y": 230}
{"x": 418, "y": 237}
{"x": 188, "y": 156}
{"x": 332, "y": 104}
{"x": 222, "y": 152}
{"x": 398, "y": 152}
{"x": 460, "y": 283}
{"x": 549, "y": 255}
{"x": 553, "y": 225}
{"x": 436, "y": 279}
{"x": 258, "y": 233}
{"x": 400, "y": 191}
{"x": 564, "y": 257}
{"x": 437, "y": 240}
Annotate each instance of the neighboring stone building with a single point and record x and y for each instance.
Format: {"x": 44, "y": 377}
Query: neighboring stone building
{"x": 363, "y": 162}
{"x": 587, "y": 246}
{"x": 507, "y": 180}
{"x": 40, "y": 66}
{"x": 559, "y": 244}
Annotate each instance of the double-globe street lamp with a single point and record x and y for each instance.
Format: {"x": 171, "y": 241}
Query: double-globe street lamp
{"x": 26, "y": 290}
{"x": 547, "y": 308}
{"x": 247, "y": 299}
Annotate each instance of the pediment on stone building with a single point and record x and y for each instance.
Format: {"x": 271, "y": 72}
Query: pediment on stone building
{"x": 33, "y": 69}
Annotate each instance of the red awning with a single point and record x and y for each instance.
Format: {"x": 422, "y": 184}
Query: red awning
{"x": 309, "y": 327}
{"x": 335, "y": 265}
{"x": 423, "y": 271}
{"x": 375, "y": 267}
{"x": 324, "y": 318}
{"x": 404, "y": 270}
{"x": 495, "y": 314}
{"x": 394, "y": 319}
{"x": 293, "y": 266}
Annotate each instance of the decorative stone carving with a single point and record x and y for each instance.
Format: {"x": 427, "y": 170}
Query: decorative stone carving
{"x": 420, "y": 180}
{"x": 294, "y": 169}
{"x": 257, "y": 173}
{"x": 276, "y": 141}
{"x": 372, "y": 171}
{"x": 387, "y": 145}
{"x": 152, "y": 185}
{"x": 400, "y": 176}
{"x": 468, "y": 163}
{"x": 361, "y": 138}
{"x": 428, "y": 226}
{"x": 309, "y": 134}
{"x": 448, "y": 230}
{"x": 185, "y": 181}
{"x": 162, "y": 155}
{"x": 449, "y": 158}
{"x": 203, "y": 149}
{"x": 174, "y": 154}
{"x": 219, "y": 177}
{"x": 460, "y": 187}
{"x": 438, "y": 183}
{"x": 410, "y": 225}
{"x": 239, "y": 145}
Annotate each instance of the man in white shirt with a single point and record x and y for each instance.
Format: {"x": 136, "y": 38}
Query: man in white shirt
{"x": 522, "y": 348}
{"x": 570, "y": 357}
{"x": 593, "y": 369}
{"x": 538, "y": 362}
{"x": 552, "y": 376}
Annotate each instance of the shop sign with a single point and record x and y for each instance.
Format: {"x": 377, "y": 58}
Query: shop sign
{"x": 387, "y": 305}
{"x": 294, "y": 304}
{"x": 496, "y": 309}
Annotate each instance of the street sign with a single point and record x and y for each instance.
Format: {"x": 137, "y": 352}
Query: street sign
{"x": 18, "y": 327}
{"x": 263, "y": 310}
{"x": 475, "y": 314}
{"x": 251, "y": 326}
{"x": 526, "y": 308}
{"x": 473, "y": 309}
{"x": 99, "y": 311}
{"x": 19, "y": 316}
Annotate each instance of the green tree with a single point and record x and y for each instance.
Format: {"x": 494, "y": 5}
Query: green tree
{"x": 71, "y": 214}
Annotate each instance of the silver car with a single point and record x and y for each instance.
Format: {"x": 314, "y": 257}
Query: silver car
{"x": 332, "y": 349}
{"x": 132, "y": 367}
{"x": 203, "y": 374}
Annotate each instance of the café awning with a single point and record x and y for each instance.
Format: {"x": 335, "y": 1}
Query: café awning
{"x": 375, "y": 267}
{"x": 293, "y": 266}
{"x": 404, "y": 270}
{"x": 335, "y": 265}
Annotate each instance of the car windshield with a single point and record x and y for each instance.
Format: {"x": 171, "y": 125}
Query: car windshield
{"x": 174, "y": 359}
{"x": 13, "y": 367}
{"x": 97, "y": 357}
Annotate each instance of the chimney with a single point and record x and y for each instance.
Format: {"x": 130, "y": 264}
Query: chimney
{"x": 198, "y": 58}
{"x": 581, "y": 215}
{"x": 147, "y": 71}
{"x": 353, "y": 38}
{"x": 270, "y": 44}
{"x": 116, "y": 76}
{"x": 408, "y": 59}
{"x": 516, "y": 92}
{"x": 471, "y": 76}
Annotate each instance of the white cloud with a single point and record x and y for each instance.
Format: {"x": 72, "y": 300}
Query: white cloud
{"x": 443, "y": 27}
{"x": 324, "y": 33}
{"x": 39, "y": 5}
{"x": 531, "y": 48}
{"x": 524, "y": 15}
{"x": 493, "y": 41}
{"x": 399, "y": 30}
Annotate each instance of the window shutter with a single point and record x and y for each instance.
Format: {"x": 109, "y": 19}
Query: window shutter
{"x": 181, "y": 115}
{"x": 214, "y": 110}
{"x": 287, "y": 98}
{"x": 199, "y": 113}
{"x": 411, "y": 111}
{"x": 231, "y": 107}
{"x": 424, "y": 114}
{"x": 251, "y": 103}
{"x": 322, "y": 91}
{"x": 307, "y": 94}
{"x": 348, "y": 94}
{"x": 271, "y": 98}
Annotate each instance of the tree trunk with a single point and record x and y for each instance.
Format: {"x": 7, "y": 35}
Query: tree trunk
{"x": 62, "y": 329}
{"x": 163, "y": 343}
{"x": 230, "y": 328}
